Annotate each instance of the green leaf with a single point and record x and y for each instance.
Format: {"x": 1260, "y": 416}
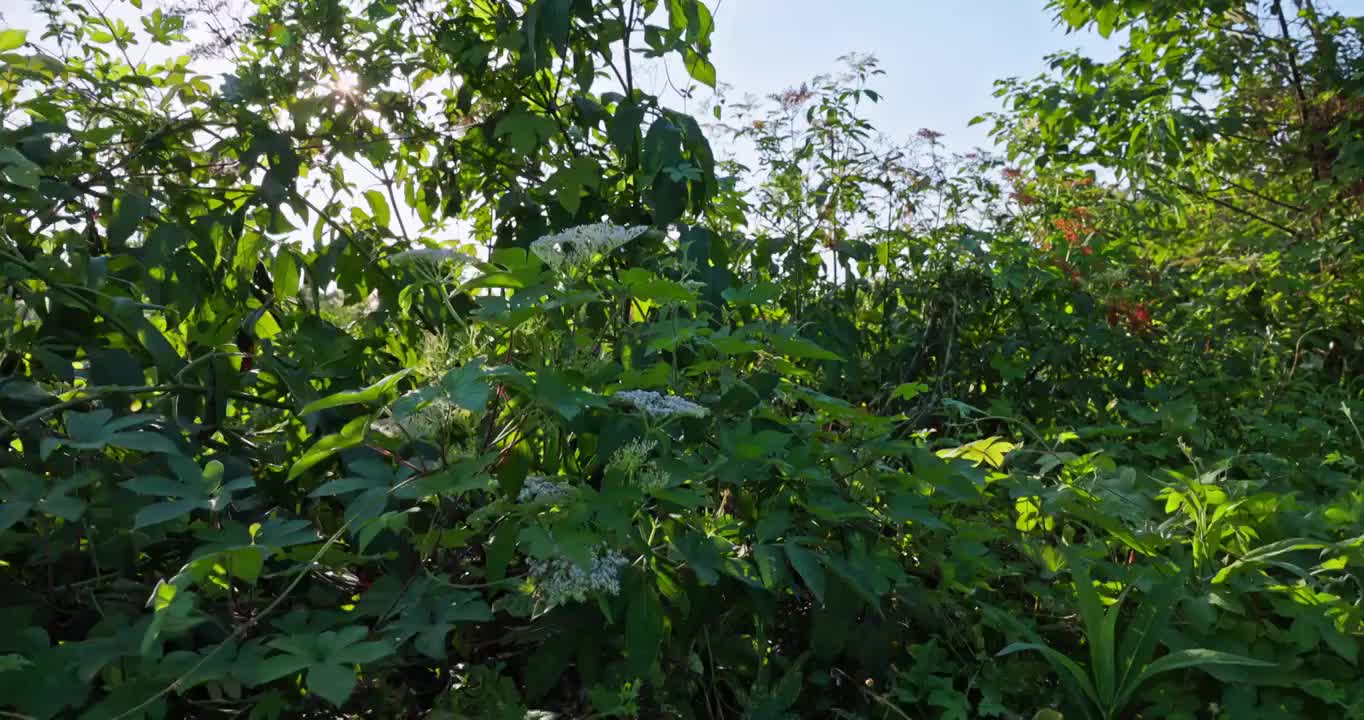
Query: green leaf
{"x": 364, "y": 395}
{"x": 771, "y": 564}
{"x": 286, "y": 277}
{"x": 1069, "y": 671}
{"x": 12, "y": 661}
{"x": 808, "y": 567}
{"x": 1092, "y": 615}
{"x": 144, "y": 442}
{"x": 644, "y": 629}
{"x": 467, "y": 386}
{"x": 131, "y": 210}
{"x": 701, "y": 555}
{"x": 553, "y": 392}
{"x": 163, "y": 512}
{"x": 1193, "y": 658}
{"x": 276, "y": 667}
{"x": 646, "y": 285}
{"x": 362, "y": 652}
{"x": 331, "y": 682}
{"x": 772, "y": 524}
{"x": 378, "y": 208}
{"x": 501, "y": 549}
{"x": 351, "y": 435}
{"x": 699, "y": 68}
{"x": 12, "y": 512}
{"x": 246, "y": 563}
{"x": 570, "y": 182}
{"x": 11, "y": 39}
{"x": 17, "y": 169}
{"x": 798, "y": 347}
{"x": 909, "y": 391}
{"x": 1151, "y": 619}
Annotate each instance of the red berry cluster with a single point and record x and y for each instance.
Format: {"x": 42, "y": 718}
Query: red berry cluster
{"x": 1136, "y": 316}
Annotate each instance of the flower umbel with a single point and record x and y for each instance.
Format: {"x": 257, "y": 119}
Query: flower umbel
{"x": 579, "y": 246}
{"x": 653, "y": 478}
{"x": 634, "y": 462}
{"x": 656, "y": 405}
{"x": 632, "y": 457}
{"x": 559, "y": 581}
{"x": 536, "y": 489}
{"x": 430, "y": 256}
{"x": 428, "y": 423}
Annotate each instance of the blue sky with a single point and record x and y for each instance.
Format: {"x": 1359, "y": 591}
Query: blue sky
{"x": 941, "y": 57}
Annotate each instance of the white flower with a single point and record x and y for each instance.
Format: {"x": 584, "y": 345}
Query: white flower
{"x": 425, "y": 424}
{"x": 559, "y": 580}
{"x": 653, "y": 478}
{"x": 537, "y": 488}
{"x": 656, "y": 405}
{"x": 430, "y": 256}
{"x": 579, "y": 246}
{"x": 632, "y": 457}
{"x": 633, "y": 460}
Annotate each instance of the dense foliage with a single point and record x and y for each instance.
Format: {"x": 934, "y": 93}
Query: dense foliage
{"x": 423, "y": 364}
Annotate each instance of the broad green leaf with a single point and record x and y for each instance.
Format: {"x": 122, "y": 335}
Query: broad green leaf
{"x": 1069, "y": 671}
{"x": 808, "y": 567}
{"x": 365, "y": 395}
{"x": 351, "y": 435}
{"x": 500, "y": 550}
{"x": 164, "y": 512}
{"x": 378, "y": 208}
{"x": 1101, "y": 655}
{"x": 11, "y": 39}
{"x": 1141, "y": 639}
{"x": 17, "y": 169}
{"x": 909, "y": 391}
{"x": 1193, "y": 658}
{"x": 699, "y": 68}
{"x": 467, "y": 386}
{"x": 799, "y": 347}
{"x": 285, "y": 275}
{"x": 331, "y": 682}
{"x": 644, "y": 630}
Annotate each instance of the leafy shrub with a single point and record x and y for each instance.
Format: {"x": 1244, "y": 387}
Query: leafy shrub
{"x": 662, "y": 436}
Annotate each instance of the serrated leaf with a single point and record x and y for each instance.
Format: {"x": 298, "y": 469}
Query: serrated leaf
{"x": 467, "y": 386}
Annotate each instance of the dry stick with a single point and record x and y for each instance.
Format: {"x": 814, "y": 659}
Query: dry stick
{"x": 241, "y": 631}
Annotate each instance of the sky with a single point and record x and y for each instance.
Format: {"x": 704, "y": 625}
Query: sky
{"x": 941, "y": 57}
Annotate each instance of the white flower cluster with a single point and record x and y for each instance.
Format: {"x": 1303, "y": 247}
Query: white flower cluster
{"x": 632, "y": 457}
{"x": 425, "y": 424}
{"x": 656, "y": 405}
{"x": 430, "y": 256}
{"x": 576, "y": 247}
{"x": 653, "y": 478}
{"x": 537, "y": 488}
{"x": 559, "y": 581}
{"x": 633, "y": 460}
